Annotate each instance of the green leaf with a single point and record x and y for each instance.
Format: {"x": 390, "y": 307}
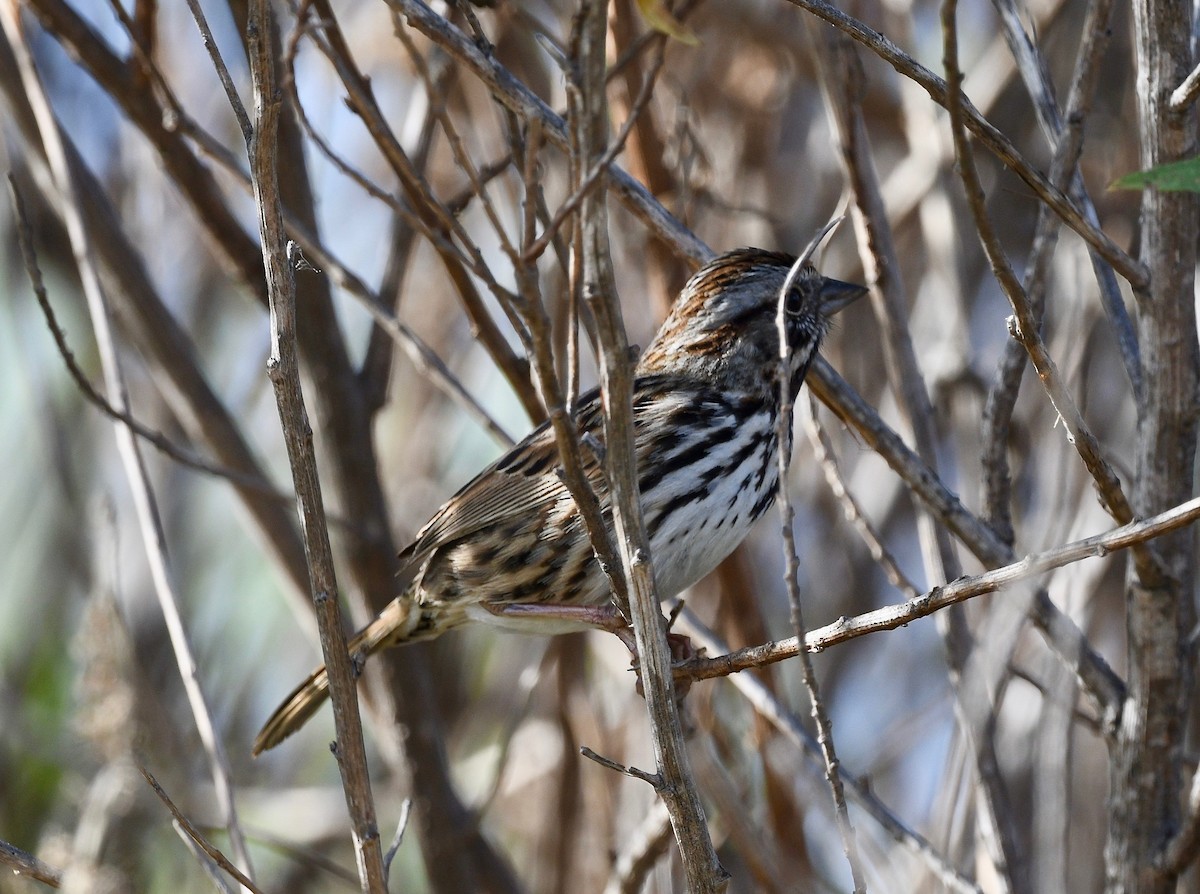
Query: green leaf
{"x": 1176, "y": 176}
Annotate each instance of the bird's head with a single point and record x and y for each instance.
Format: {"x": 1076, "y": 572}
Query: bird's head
{"x": 723, "y": 326}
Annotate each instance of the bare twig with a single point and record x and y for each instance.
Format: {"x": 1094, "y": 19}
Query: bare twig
{"x": 982, "y": 129}
{"x": 525, "y": 103}
{"x": 210, "y": 866}
{"x": 214, "y": 54}
{"x": 788, "y": 723}
{"x": 283, "y": 369}
{"x": 652, "y": 779}
{"x": 606, "y": 161}
{"x": 702, "y": 868}
{"x": 1025, "y": 326}
{"x": 575, "y": 466}
{"x": 783, "y": 438}
{"x": 1099, "y": 681}
{"x": 643, "y": 849}
{"x": 900, "y": 614}
{"x": 430, "y": 216}
{"x": 840, "y": 76}
{"x": 21, "y": 862}
{"x": 146, "y": 505}
{"x": 398, "y": 838}
{"x": 853, "y": 512}
{"x": 1184, "y": 96}
{"x": 142, "y": 315}
{"x": 194, "y": 834}
{"x": 1065, "y": 132}
{"x": 156, "y": 438}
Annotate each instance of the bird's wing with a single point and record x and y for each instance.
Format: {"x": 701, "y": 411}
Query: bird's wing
{"x": 523, "y": 481}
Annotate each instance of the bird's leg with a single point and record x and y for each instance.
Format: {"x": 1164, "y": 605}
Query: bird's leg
{"x": 599, "y": 617}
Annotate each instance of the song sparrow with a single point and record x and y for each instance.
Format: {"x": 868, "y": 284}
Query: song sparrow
{"x": 705, "y": 405}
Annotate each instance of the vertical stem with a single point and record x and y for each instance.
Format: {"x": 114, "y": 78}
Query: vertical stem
{"x": 1145, "y": 771}
{"x": 783, "y": 436}
{"x": 675, "y": 784}
{"x": 283, "y": 368}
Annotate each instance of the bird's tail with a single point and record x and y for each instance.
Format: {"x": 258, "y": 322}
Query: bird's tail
{"x": 400, "y": 622}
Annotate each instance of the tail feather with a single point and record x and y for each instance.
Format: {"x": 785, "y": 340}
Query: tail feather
{"x": 396, "y": 624}
{"x": 295, "y": 711}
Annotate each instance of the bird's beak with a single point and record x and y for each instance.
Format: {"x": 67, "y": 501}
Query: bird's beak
{"x": 836, "y": 294}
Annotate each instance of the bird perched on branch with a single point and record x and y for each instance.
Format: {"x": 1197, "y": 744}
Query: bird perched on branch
{"x": 706, "y": 400}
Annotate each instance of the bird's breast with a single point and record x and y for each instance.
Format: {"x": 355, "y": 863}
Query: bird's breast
{"x": 713, "y": 489}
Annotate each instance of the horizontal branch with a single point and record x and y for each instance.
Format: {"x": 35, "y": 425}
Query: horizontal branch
{"x": 893, "y": 616}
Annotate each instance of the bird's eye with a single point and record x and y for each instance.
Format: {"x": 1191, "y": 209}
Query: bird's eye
{"x": 795, "y": 301}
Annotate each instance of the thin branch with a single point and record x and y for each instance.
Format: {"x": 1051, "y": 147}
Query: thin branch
{"x": 643, "y": 849}
{"x": 1025, "y": 326}
{"x": 566, "y": 432}
{"x": 283, "y": 369}
{"x": 160, "y": 441}
{"x": 605, "y": 162}
{"x": 193, "y": 833}
{"x": 702, "y": 867}
{"x": 652, "y": 779}
{"x": 432, "y": 218}
{"x": 1099, "y": 681}
{"x": 523, "y": 101}
{"x": 140, "y": 311}
{"x": 841, "y": 76}
{"x": 214, "y": 54}
{"x": 419, "y": 353}
{"x": 520, "y": 99}
{"x": 146, "y": 505}
{"x": 788, "y": 723}
{"x": 462, "y": 157}
{"x": 1064, "y": 135}
{"x": 398, "y": 838}
{"x": 1067, "y": 140}
{"x": 21, "y": 863}
{"x": 210, "y": 866}
{"x": 783, "y": 438}
{"x": 823, "y": 448}
{"x": 982, "y": 129}
{"x": 1184, "y": 96}
{"x": 903, "y": 613}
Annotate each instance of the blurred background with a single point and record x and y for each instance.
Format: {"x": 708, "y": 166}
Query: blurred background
{"x": 741, "y": 140}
